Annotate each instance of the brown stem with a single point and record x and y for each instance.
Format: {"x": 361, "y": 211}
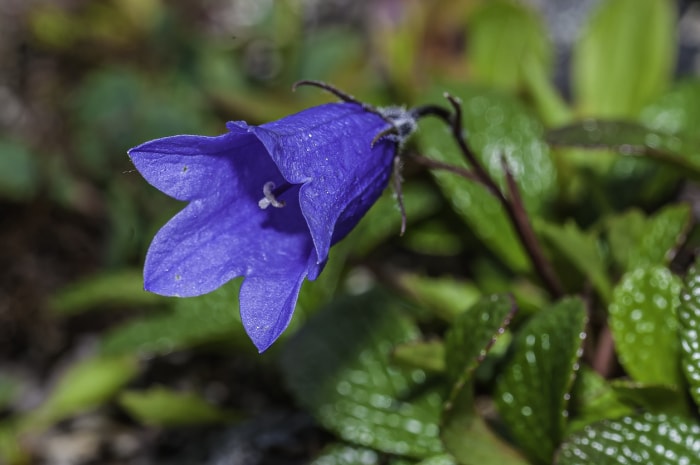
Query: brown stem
{"x": 439, "y": 165}
{"x": 512, "y": 204}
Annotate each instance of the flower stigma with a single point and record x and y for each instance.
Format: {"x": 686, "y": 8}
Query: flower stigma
{"x": 270, "y": 195}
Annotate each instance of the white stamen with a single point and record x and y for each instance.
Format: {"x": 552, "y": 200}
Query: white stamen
{"x": 269, "y": 197}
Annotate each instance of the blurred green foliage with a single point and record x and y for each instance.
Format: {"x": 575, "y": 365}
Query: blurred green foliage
{"x": 457, "y": 354}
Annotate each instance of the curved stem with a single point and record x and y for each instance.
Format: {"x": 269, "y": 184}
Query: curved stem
{"x": 513, "y": 204}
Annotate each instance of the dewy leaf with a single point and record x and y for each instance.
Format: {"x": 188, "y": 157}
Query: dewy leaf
{"x": 163, "y": 407}
{"x": 496, "y": 125}
{"x": 625, "y": 57}
{"x": 640, "y": 440}
{"x": 642, "y": 318}
{"x": 502, "y": 37}
{"x": 678, "y": 151}
{"x": 581, "y": 248}
{"x": 472, "y": 335}
{"x": 337, "y": 366}
{"x": 689, "y": 322}
{"x": 465, "y": 434}
{"x": 343, "y": 454}
{"x": 533, "y": 391}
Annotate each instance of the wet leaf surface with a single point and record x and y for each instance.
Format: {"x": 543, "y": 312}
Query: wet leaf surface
{"x": 640, "y": 440}
{"x": 496, "y": 126}
{"x": 533, "y": 391}
{"x": 338, "y": 367}
{"x": 689, "y": 328}
{"x": 642, "y": 318}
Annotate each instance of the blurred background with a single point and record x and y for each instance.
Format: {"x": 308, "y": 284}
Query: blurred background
{"x": 92, "y": 369}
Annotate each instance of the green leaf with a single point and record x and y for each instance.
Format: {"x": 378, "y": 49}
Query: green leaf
{"x": 383, "y": 220}
{"x": 352, "y": 389}
{"x": 343, "y": 454}
{"x": 467, "y": 342}
{"x": 652, "y": 398}
{"x": 106, "y": 289}
{"x": 84, "y": 386}
{"x": 472, "y": 442}
{"x": 497, "y": 126}
{"x": 211, "y": 317}
{"x": 581, "y": 249}
{"x": 446, "y": 297}
{"x": 661, "y": 237}
{"x": 163, "y": 407}
{"x": 471, "y": 336}
{"x": 593, "y": 399}
{"x": 642, "y": 318}
{"x": 636, "y": 241}
{"x": 677, "y": 111}
{"x": 503, "y": 37}
{"x": 19, "y": 174}
{"x": 425, "y": 355}
{"x": 689, "y": 329}
{"x": 533, "y": 391}
{"x": 678, "y": 151}
{"x": 647, "y": 439}
{"x": 625, "y": 56}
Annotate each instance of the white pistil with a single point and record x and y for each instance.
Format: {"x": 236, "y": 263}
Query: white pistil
{"x": 269, "y": 197}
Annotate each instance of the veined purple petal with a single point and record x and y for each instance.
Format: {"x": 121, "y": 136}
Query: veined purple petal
{"x": 191, "y": 167}
{"x": 225, "y": 234}
{"x": 329, "y": 149}
{"x": 268, "y": 300}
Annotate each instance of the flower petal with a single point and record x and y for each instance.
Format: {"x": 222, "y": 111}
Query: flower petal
{"x": 267, "y": 303}
{"x": 329, "y": 148}
{"x": 190, "y": 167}
{"x": 226, "y": 234}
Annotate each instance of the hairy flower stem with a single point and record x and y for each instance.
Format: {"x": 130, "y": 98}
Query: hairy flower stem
{"x": 512, "y": 203}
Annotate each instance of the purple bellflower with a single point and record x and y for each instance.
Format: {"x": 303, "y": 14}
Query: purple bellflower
{"x": 266, "y": 203}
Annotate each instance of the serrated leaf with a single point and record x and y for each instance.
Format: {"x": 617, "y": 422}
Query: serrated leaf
{"x": 689, "y": 329}
{"x": 195, "y": 320}
{"x": 533, "y": 391}
{"x": 472, "y": 335}
{"x": 163, "y": 407}
{"x": 337, "y": 366}
{"x": 642, "y": 440}
{"x": 642, "y": 318}
{"x": 502, "y": 37}
{"x": 623, "y": 233}
{"x": 624, "y": 58}
{"x": 446, "y": 297}
{"x": 678, "y": 151}
{"x": 581, "y": 249}
{"x": 425, "y": 355}
{"x": 497, "y": 125}
{"x": 108, "y": 289}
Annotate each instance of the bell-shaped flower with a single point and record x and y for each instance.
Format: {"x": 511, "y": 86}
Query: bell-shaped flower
{"x": 266, "y": 203}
